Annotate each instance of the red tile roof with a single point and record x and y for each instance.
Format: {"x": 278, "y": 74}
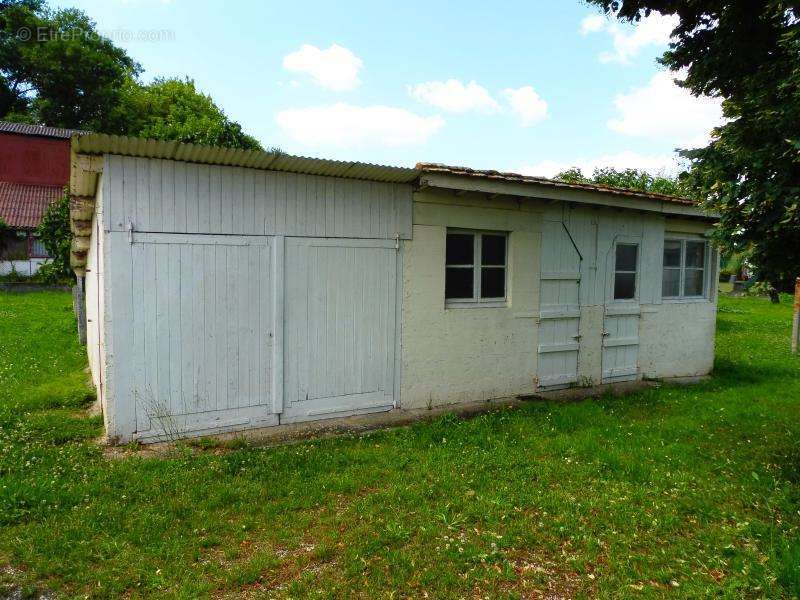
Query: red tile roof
{"x": 23, "y": 205}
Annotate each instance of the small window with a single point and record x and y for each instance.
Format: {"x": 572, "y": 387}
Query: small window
{"x": 37, "y": 249}
{"x": 475, "y": 269}
{"x": 684, "y": 269}
{"x": 627, "y": 257}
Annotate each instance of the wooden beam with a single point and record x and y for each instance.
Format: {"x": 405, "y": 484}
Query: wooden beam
{"x": 90, "y": 164}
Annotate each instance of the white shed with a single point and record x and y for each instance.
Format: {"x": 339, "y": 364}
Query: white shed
{"x": 229, "y": 290}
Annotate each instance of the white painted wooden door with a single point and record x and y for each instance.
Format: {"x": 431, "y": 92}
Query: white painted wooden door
{"x": 620, "y": 344}
{"x": 559, "y": 307}
{"x": 340, "y": 327}
{"x": 622, "y": 310}
{"x": 202, "y": 332}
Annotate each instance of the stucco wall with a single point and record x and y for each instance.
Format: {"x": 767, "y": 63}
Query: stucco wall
{"x": 677, "y": 339}
{"x": 454, "y": 355}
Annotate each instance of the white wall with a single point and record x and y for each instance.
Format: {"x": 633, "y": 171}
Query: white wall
{"x": 23, "y": 267}
{"x": 448, "y": 354}
{"x": 677, "y": 339}
{"x": 452, "y": 355}
{"x": 176, "y": 197}
{"x": 460, "y": 354}
{"x": 181, "y": 351}
{"x": 95, "y": 303}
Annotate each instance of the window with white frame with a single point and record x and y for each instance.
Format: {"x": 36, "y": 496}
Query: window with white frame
{"x": 475, "y": 267}
{"x": 684, "y": 268}
{"x": 626, "y": 261}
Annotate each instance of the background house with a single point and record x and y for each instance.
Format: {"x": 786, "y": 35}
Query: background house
{"x": 34, "y": 168}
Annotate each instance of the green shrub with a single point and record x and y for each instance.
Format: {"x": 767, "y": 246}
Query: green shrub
{"x": 56, "y": 235}
{"x": 52, "y": 274}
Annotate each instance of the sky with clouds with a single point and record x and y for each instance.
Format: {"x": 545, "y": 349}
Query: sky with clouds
{"x": 532, "y": 86}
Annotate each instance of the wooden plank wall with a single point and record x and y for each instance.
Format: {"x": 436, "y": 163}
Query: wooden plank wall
{"x": 168, "y": 196}
{"x": 340, "y": 328}
{"x": 191, "y": 332}
{"x": 594, "y": 231}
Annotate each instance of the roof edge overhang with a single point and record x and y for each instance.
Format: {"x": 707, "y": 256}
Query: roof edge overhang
{"x": 557, "y": 191}
{"x": 100, "y": 144}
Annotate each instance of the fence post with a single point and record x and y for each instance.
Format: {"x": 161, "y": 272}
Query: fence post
{"x": 79, "y": 305}
{"x": 796, "y": 319}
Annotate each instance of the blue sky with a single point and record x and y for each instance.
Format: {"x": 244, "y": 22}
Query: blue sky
{"x": 528, "y": 86}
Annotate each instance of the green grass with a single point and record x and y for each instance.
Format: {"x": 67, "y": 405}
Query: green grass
{"x": 683, "y": 492}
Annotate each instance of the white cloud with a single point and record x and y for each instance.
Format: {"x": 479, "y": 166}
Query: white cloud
{"x": 592, "y": 23}
{"x": 662, "y": 110}
{"x": 454, "y": 96}
{"x": 527, "y": 104}
{"x": 653, "y": 30}
{"x": 344, "y": 125}
{"x": 659, "y": 164}
{"x": 335, "y": 68}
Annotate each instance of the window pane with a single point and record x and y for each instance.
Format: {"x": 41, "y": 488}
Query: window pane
{"x": 671, "y": 283}
{"x": 460, "y": 248}
{"x": 626, "y": 257}
{"x": 672, "y": 253}
{"x": 695, "y": 254}
{"x": 493, "y": 282}
{"x": 624, "y": 286}
{"x": 693, "y": 282}
{"x": 37, "y": 248}
{"x": 493, "y": 249}
{"x": 458, "y": 283}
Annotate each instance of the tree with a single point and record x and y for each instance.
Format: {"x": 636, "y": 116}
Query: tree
{"x": 55, "y": 68}
{"x": 630, "y": 179}
{"x": 173, "y": 109}
{"x": 746, "y": 52}
{"x": 15, "y": 16}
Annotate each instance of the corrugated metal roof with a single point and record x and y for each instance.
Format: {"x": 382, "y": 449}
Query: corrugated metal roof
{"x": 98, "y": 144}
{"x": 23, "y": 205}
{"x": 213, "y": 155}
{"x": 40, "y": 130}
{"x": 518, "y": 178}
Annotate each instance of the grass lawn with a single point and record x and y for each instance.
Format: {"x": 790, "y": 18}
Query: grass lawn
{"x": 671, "y": 492}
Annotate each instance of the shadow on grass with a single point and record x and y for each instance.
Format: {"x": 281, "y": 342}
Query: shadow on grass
{"x": 733, "y": 373}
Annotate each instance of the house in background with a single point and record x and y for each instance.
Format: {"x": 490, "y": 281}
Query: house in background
{"x": 34, "y": 168}
{"x": 232, "y": 289}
